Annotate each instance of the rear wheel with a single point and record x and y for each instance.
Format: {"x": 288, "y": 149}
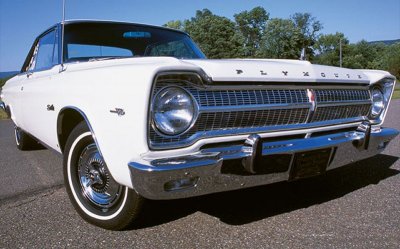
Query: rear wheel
{"x": 96, "y": 196}
{"x": 24, "y": 141}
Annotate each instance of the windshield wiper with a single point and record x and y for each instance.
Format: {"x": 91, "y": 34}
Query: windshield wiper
{"x": 106, "y": 58}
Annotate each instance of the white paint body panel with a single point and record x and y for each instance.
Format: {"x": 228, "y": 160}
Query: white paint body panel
{"x": 97, "y": 87}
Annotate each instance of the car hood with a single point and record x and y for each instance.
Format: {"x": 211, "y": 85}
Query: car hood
{"x": 243, "y": 70}
{"x": 264, "y": 70}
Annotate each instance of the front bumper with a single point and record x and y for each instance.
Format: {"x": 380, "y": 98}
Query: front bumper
{"x": 206, "y": 171}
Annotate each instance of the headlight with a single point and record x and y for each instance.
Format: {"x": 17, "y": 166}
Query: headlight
{"x": 378, "y": 102}
{"x": 173, "y": 111}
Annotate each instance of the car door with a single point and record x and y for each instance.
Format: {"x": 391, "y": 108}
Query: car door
{"x": 38, "y": 88}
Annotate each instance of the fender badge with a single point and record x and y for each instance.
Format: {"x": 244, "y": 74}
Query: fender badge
{"x": 238, "y": 71}
{"x": 118, "y": 111}
{"x": 285, "y": 73}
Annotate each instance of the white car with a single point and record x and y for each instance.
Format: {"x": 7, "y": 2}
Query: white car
{"x": 139, "y": 113}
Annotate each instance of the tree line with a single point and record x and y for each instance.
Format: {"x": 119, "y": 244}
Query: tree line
{"x": 253, "y": 34}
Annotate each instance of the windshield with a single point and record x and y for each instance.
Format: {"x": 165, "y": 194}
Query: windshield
{"x": 98, "y": 41}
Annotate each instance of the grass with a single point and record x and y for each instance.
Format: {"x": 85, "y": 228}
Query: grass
{"x": 2, "y": 115}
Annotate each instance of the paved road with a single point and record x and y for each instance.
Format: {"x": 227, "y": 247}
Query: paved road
{"x": 353, "y": 207}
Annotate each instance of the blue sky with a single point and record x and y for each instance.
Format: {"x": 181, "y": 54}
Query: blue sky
{"x": 22, "y": 20}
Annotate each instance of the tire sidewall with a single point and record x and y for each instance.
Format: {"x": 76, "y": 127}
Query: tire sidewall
{"x": 129, "y": 202}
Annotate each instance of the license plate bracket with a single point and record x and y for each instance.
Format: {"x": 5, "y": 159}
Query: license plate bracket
{"x": 310, "y": 163}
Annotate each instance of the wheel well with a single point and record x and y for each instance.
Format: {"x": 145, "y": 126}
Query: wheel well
{"x": 68, "y": 119}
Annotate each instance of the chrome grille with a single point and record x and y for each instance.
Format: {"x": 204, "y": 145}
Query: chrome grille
{"x": 334, "y": 95}
{"x": 325, "y": 113}
{"x": 216, "y": 121}
{"x": 214, "y": 98}
{"x": 280, "y": 108}
{"x": 248, "y": 97}
{"x": 251, "y": 119}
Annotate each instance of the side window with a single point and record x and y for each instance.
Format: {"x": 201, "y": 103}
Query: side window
{"x": 47, "y": 52}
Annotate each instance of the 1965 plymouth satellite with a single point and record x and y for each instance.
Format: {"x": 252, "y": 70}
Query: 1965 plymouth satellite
{"x": 139, "y": 113}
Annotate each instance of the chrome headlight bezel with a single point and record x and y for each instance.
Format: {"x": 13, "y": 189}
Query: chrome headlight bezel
{"x": 385, "y": 87}
{"x": 160, "y": 127}
{"x": 378, "y": 104}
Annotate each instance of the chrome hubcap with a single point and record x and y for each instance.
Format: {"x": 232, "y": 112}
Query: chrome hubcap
{"x": 96, "y": 183}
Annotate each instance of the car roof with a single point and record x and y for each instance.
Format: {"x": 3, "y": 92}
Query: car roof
{"x": 83, "y": 21}
{"x": 77, "y": 21}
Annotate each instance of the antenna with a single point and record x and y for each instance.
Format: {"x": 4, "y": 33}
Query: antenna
{"x": 62, "y": 37}
{"x": 303, "y": 54}
{"x": 340, "y": 53}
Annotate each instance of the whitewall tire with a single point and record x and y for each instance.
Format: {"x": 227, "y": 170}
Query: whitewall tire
{"x": 95, "y": 195}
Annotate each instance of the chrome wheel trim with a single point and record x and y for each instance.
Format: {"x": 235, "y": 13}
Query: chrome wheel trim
{"x": 97, "y": 185}
{"x": 74, "y": 190}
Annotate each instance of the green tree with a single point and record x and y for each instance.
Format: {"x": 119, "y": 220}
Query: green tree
{"x": 215, "y": 35}
{"x": 393, "y": 59}
{"x": 309, "y": 28}
{"x": 364, "y": 55}
{"x": 327, "y": 49}
{"x": 281, "y": 39}
{"x": 174, "y": 24}
{"x": 251, "y": 25}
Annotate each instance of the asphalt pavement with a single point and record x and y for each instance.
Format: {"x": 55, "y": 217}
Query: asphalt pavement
{"x": 353, "y": 207}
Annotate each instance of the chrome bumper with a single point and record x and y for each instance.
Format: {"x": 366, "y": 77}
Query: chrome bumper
{"x": 203, "y": 172}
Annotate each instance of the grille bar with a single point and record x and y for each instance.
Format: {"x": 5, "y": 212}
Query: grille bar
{"x": 341, "y": 95}
{"x": 248, "y": 97}
{"x": 340, "y": 112}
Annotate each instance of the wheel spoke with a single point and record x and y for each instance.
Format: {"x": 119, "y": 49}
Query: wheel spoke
{"x": 89, "y": 183}
{"x": 97, "y": 185}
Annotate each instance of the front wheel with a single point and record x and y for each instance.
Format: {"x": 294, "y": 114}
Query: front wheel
{"x": 95, "y": 195}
